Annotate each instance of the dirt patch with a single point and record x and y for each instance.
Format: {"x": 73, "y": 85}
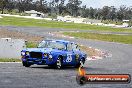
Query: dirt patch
{"x": 34, "y": 39}
{"x": 4, "y": 33}
{"x": 90, "y": 51}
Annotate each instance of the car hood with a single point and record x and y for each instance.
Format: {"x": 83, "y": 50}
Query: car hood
{"x": 44, "y": 50}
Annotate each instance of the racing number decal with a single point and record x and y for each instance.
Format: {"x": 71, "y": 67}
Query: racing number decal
{"x": 69, "y": 58}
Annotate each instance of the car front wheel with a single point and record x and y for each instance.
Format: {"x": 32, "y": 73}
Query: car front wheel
{"x": 59, "y": 63}
{"x": 26, "y": 64}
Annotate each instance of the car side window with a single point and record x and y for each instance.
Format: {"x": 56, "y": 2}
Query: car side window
{"x": 69, "y": 46}
{"x": 72, "y": 46}
{"x": 75, "y": 47}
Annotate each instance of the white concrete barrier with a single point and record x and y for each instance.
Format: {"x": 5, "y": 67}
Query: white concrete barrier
{"x": 11, "y": 48}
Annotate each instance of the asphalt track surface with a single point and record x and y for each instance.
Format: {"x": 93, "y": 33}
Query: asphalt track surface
{"x": 16, "y": 76}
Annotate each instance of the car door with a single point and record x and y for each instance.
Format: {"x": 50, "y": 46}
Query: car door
{"x": 76, "y": 52}
{"x": 72, "y": 51}
{"x": 70, "y": 54}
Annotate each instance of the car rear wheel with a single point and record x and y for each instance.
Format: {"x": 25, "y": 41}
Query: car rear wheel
{"x": 80, "y": 64}
{"x": 59, "y": 63}
{"x": 26, "y": 64}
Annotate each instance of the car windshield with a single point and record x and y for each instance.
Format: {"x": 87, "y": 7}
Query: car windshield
{"x": 52, "y": 44}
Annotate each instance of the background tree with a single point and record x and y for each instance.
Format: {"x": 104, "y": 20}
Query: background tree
{"x": 61, "y": 7}
{"x": 105, "y": 11}
{"x": 112, "y": 13}
{"x": 92, "y": 13}
{"x": 3, "y": 4}
{"x": 73, "y": 6}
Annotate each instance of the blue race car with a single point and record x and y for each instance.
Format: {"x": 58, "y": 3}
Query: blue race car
{"x": 56, "y": 53}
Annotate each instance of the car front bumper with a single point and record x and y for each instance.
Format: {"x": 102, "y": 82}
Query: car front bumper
{"x": 38, "y": 61}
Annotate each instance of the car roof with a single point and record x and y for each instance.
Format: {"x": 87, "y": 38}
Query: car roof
{"x": 63, "y": 41}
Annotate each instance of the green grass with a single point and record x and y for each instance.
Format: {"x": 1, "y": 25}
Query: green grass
{"x": 53, "y": 24}
{"x": 9, "y": 60}
{"x": 30, "y": 44}
{"x": 112, "y": 22}
{"x": 127, "y": 39}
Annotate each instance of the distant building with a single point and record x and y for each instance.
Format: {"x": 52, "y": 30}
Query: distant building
{"x": 71, "y": 19}
{"x": 126, "y": 23}
{"x": 125, "y": 20}
{"x": 35, "y": 13}
{"x": 68, "y": 18}
{"x": 92, "y": 21}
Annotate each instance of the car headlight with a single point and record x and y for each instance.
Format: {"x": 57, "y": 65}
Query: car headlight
{"x": 50, "y": 56}
{"x": 27, "y": 53}
{"x": 45, "y": 54}
{"x": 22, "y": 53}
